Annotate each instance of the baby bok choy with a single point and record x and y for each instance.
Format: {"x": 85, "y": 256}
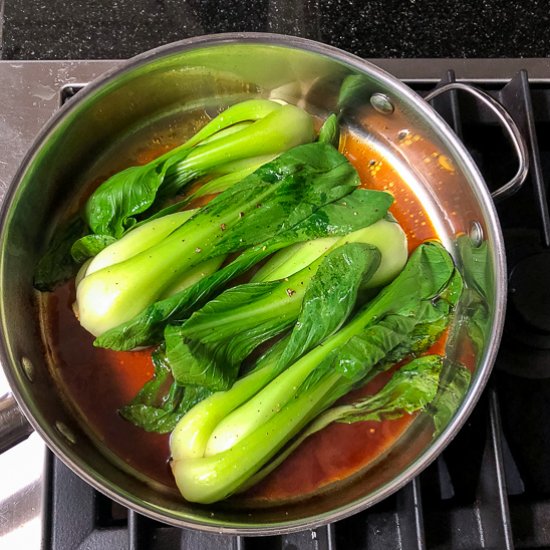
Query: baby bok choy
{"x": 273, "y": 128}
{"x": 411, "y": 388}
{"x": 215, "y": 340}
{"x": 357, "y": 210}
{"x": 226, "y": 150}
{"x": 276, "y": 197}
{"x": 208, "y": 349}
{"x": 230, "y": 436}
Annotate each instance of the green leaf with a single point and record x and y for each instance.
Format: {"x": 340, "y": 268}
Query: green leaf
{"x": 358, "y": 209}
{"x": 330, "y": 131}
{"x": 330, "y": 297}
{"x": 426, "y": 276}
{"x": 161, "y": 402}
{"x": 353, "y": 91}
{"x": 208, "y": 349}
{"x": 164, "y": 419}
{"x": 239, "y": 319}
{"x": 90, "y": 245}
{"x": 455, "y": 381}
{"x": 410, "y": 389}
{"x": 150, "y": 419}
{"x": 281, "y": 194}
{"x": 479, "y": 282}
{"x": 152, "y": 393}
{"x": 358, "y": 356}
{"x": 192, "y": 363}
{"x": 114, "y": 206}
{"x": 57, "y": 264}
{"x": 217, "y": 338}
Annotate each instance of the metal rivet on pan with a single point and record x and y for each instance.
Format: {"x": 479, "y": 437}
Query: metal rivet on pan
{"x": 28, "y": 368}
{"x": 381, "y": 103}
{"x": 65, "y": 432}
{"x": 402, "y": 134}
{"x": 476, "y": 234}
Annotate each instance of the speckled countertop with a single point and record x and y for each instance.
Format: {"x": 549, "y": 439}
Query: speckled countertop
{"x": 79, "y": 29}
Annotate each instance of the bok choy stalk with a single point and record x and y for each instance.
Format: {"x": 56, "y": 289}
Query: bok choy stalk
{"x": 144, "y": 237}
{"x": 208, "y": 349}
{"x": 139, "y": 239}
{"x": 359, "y": 209}
{"x": 276, "y": 197}
{"x": 236, "y": 171}
{"x": 386, "y": 235}
{"x": 214, "y": 458}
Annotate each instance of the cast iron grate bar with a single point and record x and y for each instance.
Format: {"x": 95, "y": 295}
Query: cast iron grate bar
{"x": 523, "y": 376}
{"x": 411, "y": 516}
{"x": 460, "y": 501}
{"x": 447, "y": 105}
{"x": 516, "y": 96}
{"x": 495, "y": 514}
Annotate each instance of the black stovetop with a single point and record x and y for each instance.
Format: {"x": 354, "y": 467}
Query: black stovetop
{"x": 491, "y": 487}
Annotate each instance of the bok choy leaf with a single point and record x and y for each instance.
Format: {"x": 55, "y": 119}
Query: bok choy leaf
{"x": 57, "y": 263}
{"x": 161, "y": 402}
{"x": 455, "y": 381}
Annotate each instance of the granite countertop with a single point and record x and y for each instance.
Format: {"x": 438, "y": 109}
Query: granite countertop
{"x": 102, "y": 29}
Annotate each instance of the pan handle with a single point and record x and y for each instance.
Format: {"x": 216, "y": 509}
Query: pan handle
{"x": 14, "y": 427}
{"x": 509, "y": 125}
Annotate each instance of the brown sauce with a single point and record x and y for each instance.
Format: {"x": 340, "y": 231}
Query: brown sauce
{"x": 377, "y": 173}
{"x": 98, "y": 382}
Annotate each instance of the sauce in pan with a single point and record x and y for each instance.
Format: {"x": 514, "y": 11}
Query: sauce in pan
{"x": 97, "y": 382}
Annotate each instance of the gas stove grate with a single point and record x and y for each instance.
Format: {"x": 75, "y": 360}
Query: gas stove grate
{"x": 491, "y": 487}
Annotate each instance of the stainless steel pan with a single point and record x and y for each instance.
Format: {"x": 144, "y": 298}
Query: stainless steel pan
{"x": 213, "y": 71}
